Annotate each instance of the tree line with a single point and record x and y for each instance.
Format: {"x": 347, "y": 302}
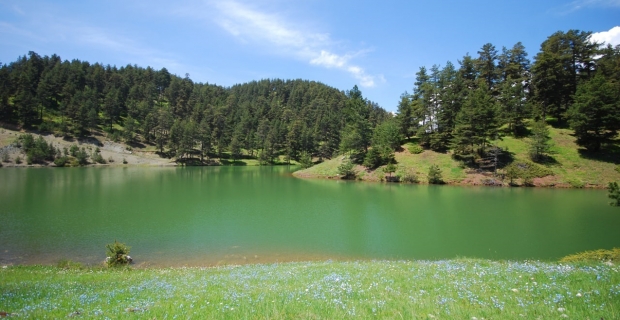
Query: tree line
{"x": 573, "y": 81}
{"x": 264, "y": 119}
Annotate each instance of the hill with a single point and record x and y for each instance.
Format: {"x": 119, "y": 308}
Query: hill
{"x": 568, "y": 165}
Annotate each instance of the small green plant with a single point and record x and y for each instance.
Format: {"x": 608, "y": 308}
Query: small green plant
{"x": 345, "y": 169}
{"x": 434, "y": 175}
{"x": 614, "y": 194}
{"x": 124, "y": 161}
{"x": 18, "y": 160}
{"x": 117, "y": 254}
{"x": 6, "y": 157}
{"x": 618, "y": 168}
{"x": 415, "y": 149}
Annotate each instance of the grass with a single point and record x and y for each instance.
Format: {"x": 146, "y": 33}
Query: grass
{"x": 570, "y": 165}
{"x": 453, "y": 289}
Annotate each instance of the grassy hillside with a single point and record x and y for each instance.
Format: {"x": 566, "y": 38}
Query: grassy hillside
{"x": 454, "y": 289}
{"x": 570, "y": 165}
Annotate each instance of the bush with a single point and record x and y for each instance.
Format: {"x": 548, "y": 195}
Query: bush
{"x": 408, "y": 176}
{"x": 434, "y": 175}
{"x": 117, "y": 254}
{"x": 61, "y": 161}
{"x": 345, "y": 169}
{"x": 5, "y": 157}
{"x": 18, "y": 160}
{"x": 527, "y": 171}
{"x": 306, "y": 160}
{"x": 82, "y": 157}
{"x": 415, "y": 149}
{"x": 389, "y": 169}
{"x": 576, "y": 183}
{"x": 98, "y": 158}
{"x": 600, "y": 255}
{"x": 372, "y": 160}
{"x": 73, "y": 150}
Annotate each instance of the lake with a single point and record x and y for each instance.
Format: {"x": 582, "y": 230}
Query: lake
{"x": 220, "y": 215}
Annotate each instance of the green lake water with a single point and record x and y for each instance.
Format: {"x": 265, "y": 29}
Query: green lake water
{"x": 217, "y": 215}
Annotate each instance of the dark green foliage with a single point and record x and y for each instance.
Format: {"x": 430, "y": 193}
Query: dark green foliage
{"x": 434, "y": 175}
{"x": 61, "y": 161}
{"x": 37, "y": 150}
{"x": 345, "y": 170}
{"x": 117, "y": 254}
{"x": 614, "y": 194}
{"x": 540, "y": 141}
{"x": 595, "y": 114}
{"x": 373, "y": 159}
{"x": 82, "y": 157}
{"x": 266, "y": 118}
{"x": 73, "y": 150}
{"x": 18, "y": 160}
{"x": 305, "y": 160}
{"x": 565, "y": 59}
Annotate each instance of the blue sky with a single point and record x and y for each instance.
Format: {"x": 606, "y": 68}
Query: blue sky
{"x": 377, "y": 45}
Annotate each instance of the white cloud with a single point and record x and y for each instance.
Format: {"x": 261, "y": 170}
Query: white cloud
{"x": 252, "y": 26}
{"x": 608, "y": 37}
{"x": 581, "y": 4}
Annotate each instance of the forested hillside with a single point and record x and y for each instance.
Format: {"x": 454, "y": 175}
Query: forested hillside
{"x": 264, "y": 118}
{"x": 572, "y": 83}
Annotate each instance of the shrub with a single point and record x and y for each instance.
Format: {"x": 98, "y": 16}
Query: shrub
{"x": 408, "y": 176}
{"x": 389, "y": 169}
{"x": 576, "y": 183}
{"x": 372, "y": 160}
{"x": 603, "y": 255}
{"x": 97, "y": 157}
{"x": 306, "y": 160}
{"x": 61, "y": 161}
{"x": 434, "y": 175}
{"x": 345, "y": 169}
{"x": 124, "y": 161}
{"x": 117, "y": 254}
{"x": 415, "y": 149}
{"x": 73, "y": 150}
{"x": 527, "y": 171}
{"x": 5, "y": 157}
{"x": 82, "y": 157}
{"x": 18, "y": 160}
{"x": 618, "y": 168}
